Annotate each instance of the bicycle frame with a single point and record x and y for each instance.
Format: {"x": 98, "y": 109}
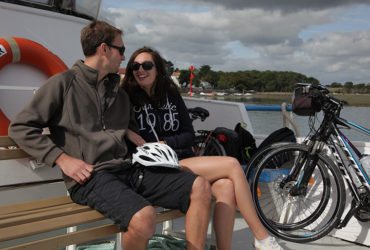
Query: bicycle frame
{"x": 351, "y": 153}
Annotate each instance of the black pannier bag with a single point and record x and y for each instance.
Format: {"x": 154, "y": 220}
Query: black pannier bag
{"x": 228, "y": 138}
{"x": 304, "y": 101}
{"x": 247, "y": 144}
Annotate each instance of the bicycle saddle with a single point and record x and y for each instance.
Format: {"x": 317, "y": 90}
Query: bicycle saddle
{"x": 200, "y": 112}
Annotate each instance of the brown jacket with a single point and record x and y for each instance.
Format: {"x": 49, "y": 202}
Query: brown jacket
{"x": 84, "y": 122}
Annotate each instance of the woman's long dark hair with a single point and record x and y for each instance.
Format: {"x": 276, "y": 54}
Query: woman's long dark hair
{"x": 163, "y": 85}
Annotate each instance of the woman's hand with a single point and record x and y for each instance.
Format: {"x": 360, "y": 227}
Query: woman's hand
{"x": 134, "y": 138}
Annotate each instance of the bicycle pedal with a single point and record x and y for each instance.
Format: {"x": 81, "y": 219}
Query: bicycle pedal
{"x": 363, "y": 216}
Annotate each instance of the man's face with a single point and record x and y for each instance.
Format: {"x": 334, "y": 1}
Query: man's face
{"x": 115, "y": 58}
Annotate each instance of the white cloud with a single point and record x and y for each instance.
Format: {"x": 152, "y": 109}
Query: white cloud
{"x": 215, "y": 36}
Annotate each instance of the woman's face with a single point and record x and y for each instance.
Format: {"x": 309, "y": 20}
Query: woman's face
{"x": 144, "y": 77}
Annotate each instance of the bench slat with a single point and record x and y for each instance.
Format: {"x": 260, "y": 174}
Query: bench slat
{"x": 70, "y": 239}
{"x": 39, "y": 204}
{"x": 15, "y": 153}
{"x": 43, "y": 214}
{"x": 168, "y": 215}
{"x": 37, "y": 227}
{"x": 6, "y": 141}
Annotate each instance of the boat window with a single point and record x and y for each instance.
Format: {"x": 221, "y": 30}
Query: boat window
{"x": 80, "y": 8}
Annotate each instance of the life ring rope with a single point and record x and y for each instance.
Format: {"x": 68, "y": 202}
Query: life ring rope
{"x": 15, "y": 49}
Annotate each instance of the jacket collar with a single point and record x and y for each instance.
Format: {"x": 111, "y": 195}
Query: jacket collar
{"x": 91, "y": 75}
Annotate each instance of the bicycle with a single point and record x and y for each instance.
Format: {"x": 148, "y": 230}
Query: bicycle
{"x": 206, "y": 142}
{"x": 298, "y": 189}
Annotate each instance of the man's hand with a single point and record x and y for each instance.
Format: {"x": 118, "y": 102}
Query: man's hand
{"x": 134, "y": 138}
{"x": 74, "y": 168}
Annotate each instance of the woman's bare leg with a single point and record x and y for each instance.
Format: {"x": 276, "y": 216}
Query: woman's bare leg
{"x": 217, "y": 167}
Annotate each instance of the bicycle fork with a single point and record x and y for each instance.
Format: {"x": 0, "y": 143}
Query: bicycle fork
{"x": 304, "y": 170}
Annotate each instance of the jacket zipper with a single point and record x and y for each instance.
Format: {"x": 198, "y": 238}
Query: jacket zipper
{"x": 101, "y": 115}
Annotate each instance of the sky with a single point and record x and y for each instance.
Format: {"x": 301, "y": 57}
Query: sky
{"x": 325, "y": 39}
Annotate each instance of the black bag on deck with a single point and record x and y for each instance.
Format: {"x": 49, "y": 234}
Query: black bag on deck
{"x": 247, "y": 144}
{"x": 228, "y": 138}
{"x": 281, "y": 135}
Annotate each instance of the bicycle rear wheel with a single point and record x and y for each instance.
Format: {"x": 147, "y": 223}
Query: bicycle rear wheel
{"x": 209, "y": 148}
{"x": 302, "y": 217}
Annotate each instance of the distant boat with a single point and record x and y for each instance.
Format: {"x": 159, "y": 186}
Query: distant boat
{"x": 206, "y": 94}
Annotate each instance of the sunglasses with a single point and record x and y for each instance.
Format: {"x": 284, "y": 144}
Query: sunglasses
{"x": 146, "y": 65}
{"x": 120, "y": 49}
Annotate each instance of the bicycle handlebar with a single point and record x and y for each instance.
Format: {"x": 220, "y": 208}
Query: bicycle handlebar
{"x": 327, "y": 103}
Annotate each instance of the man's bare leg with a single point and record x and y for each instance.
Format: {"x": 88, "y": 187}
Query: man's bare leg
{"x": 140, "y": 229}
{"x": 224, "y": 212}
{"x": 197, "y": 216}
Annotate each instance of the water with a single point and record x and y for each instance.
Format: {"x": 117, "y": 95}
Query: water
{"x": 265, "y": 122}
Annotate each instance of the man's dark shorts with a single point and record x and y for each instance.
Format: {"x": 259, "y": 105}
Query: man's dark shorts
{"x": 111, "y": 192}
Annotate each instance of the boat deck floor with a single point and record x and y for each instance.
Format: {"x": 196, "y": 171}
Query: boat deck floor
{"x": 243, "y": 238}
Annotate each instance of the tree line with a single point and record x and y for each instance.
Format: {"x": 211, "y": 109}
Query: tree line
{"x": 262, "y": 81}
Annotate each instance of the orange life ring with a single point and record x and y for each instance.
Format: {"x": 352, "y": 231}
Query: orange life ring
{"x": 15, "y": 49}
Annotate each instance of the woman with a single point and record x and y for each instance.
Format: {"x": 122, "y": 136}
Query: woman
{"x": 162, "y": 116}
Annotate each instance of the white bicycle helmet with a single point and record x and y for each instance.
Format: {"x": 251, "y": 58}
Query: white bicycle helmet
{"x": 156, "y": 155}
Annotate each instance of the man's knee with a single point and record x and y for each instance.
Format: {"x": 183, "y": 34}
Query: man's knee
{"x": 143, "y": 222}
{"x": 201, "y": 190}
{"x": 224, "y": 191}
{"x": 223, "y": 188}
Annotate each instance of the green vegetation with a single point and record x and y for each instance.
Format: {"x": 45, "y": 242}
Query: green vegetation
{"x": 260, "y": 81}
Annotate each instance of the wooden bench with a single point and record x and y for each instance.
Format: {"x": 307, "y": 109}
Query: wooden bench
{"x": 29, "y": 221}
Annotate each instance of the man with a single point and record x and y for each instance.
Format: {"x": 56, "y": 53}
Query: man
{"x": 88, "y": 116}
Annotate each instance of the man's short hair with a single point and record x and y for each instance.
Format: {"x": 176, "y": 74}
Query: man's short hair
{"x": 96, "y": 33}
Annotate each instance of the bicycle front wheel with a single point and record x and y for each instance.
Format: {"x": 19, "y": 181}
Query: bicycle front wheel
{"x": 304, "y": 216}
{"x": 210, "y": 147}
{"x": 257, "y": 157}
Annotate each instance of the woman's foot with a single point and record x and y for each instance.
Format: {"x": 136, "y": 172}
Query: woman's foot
{"x": 269, "y": 243}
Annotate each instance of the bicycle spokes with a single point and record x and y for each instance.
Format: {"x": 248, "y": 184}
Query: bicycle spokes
{"x": 289, "y": 208}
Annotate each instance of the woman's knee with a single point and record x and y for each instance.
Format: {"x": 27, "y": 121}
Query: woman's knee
{"x": 201, "y": 189}
{"x": 143, "y": 222}
{"x": 233, "y": 165}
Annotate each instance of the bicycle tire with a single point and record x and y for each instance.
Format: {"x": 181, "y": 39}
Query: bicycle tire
{"x": 257, "y": 157}
{"x": 211, "y": 148}
{"x": 307, "y": 217}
